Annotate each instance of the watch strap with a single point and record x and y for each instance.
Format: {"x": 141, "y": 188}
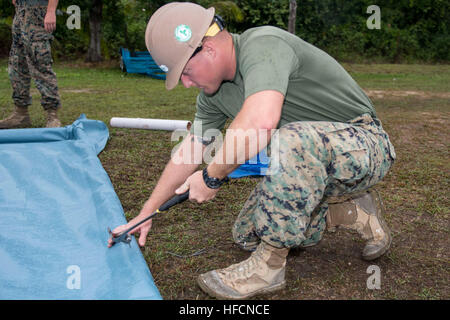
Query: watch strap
{"x": 213, "y": 183}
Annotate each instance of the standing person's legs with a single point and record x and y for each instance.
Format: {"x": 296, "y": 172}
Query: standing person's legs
{"x": 40, "y": 62}
{"x": 19, "y": 76}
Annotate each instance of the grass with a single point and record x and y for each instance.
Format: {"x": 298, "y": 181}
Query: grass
{"x": 411, "y": 100}
{"x": 434, "y": 78}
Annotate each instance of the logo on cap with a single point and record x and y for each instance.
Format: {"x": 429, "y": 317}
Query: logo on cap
{"x": 183, "y": 33}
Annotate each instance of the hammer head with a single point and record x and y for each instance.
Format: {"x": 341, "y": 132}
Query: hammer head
{"x": 124, "y": 237}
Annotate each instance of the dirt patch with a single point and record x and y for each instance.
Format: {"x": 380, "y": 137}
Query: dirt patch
{"x": 416, "y": 266}
{"x": 34, "y": 91}
{"x": 77, "y": 90}
{"x": 420, "y": 129}
{"x": 106, "y": 64}
{"x": 380, "y": 94}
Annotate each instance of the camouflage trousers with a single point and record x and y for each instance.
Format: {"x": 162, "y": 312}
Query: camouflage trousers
{"x": 30, "y": 57}
{"x": 316, "y": 160}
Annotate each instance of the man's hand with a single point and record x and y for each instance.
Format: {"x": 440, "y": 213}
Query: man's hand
{"x": 50, "y": 21}
{"x": 143, "y": 230}
{"x": 198, "y": 191}
{"x": 14, "y": 2}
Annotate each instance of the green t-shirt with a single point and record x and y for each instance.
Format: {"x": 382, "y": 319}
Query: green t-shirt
{"x": 316, "y": 87}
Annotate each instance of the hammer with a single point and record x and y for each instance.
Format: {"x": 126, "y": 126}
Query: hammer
{"x": 125, "y": 237}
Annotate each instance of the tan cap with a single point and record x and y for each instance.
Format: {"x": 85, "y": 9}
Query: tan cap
{"x": 173, "y": 33}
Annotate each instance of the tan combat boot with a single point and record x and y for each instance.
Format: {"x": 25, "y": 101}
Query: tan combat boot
{"x": 363, "y": 213}
{"x": 52, "y": 119}
{"x": 18, "y": 119}
{"x": 262, "y": 272}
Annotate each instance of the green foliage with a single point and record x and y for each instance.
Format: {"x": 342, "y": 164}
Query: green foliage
{"x": 6, "y": 9}
{"x": 229, "y": 11}
{"x": 69, "y": 44}
{"x": 411, "y": 30}
{"x": 124, "y": 24}
{"x": 6, "y": 16}
{"x": 5, "y": 37}
{"x": 264, "y": 12}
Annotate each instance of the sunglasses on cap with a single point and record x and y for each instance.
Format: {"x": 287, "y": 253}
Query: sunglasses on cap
{"x": 217, "y": 25}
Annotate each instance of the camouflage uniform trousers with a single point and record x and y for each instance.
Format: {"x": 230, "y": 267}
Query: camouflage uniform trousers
{"x": 30, "y": 57}
{"x": 316, "y": 160}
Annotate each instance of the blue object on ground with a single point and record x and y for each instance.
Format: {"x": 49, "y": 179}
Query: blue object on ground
{"x": 257, "y": 166}
{"x": 140, "y": 62}
{"x": 56, "y": 203}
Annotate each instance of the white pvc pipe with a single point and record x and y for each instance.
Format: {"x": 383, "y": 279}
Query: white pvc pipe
{"x": 150, "y": 124}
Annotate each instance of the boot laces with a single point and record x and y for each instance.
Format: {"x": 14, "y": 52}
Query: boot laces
{"x": 245, "y": 268}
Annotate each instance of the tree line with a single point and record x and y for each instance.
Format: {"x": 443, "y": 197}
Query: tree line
{"x": 410, "y": 30}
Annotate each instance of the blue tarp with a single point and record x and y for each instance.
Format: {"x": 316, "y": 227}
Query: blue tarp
{"x": 140, "y": 62}
{"x": 257, "y": 166}
{"x": 56, "y": 203}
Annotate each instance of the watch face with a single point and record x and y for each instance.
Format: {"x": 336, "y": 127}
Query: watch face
{"x": 212, "y": 183}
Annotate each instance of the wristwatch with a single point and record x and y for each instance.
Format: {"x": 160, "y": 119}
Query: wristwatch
{"x": 213, "y": 183}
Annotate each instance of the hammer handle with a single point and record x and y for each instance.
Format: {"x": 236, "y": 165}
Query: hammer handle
{"x": 165, "y": 206}
{"x": 174, "y": 200}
